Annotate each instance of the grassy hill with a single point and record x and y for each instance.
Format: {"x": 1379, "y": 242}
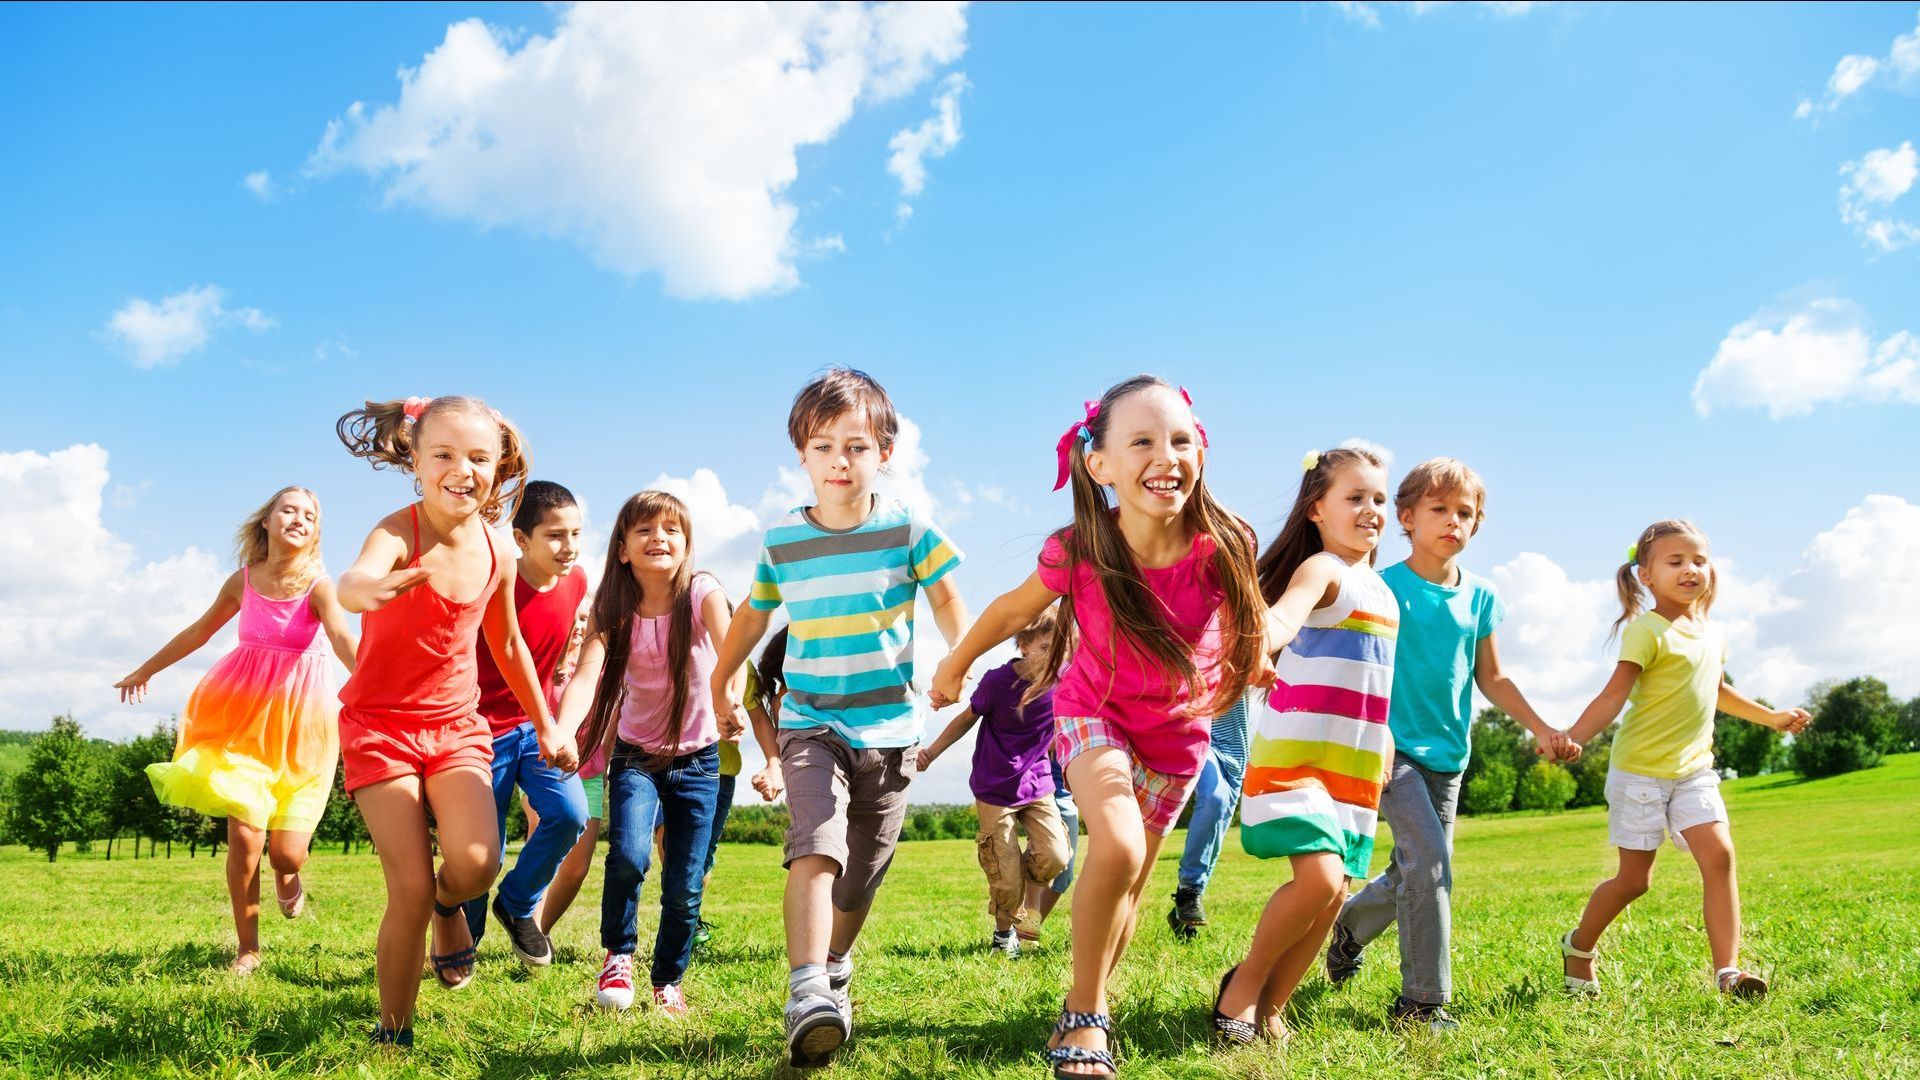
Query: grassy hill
{"x": 118, "y": 968}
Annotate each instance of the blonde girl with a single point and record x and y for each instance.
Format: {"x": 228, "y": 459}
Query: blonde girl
{"x": 1660, "y": 777}
{"x": 257, "y": 742}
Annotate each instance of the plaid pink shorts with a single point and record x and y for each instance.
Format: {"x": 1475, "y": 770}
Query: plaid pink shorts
{"x": 1162, "y": 796}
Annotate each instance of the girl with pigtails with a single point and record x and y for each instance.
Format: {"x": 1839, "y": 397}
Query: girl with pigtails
{"x": 427, "y": 583}
{"x": 1157, "y": 581}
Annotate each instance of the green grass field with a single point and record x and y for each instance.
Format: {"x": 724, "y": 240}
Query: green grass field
{"x": 119, "y": 968}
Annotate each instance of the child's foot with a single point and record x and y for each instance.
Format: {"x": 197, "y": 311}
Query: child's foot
{"x": 616, "y": 982}
{"x": 291, "y": 906}
{"x": 702, "y": 934}
{"x": 1187, "y": 916}
{"x": 1741, "y": 984}
{"x": 389, "y": 1037}
{"x": 1079, "y": 1045}
{"x": 670, "y": 1001}
{"x": 1435, "y": 1018}
{"x": 246, "y": 963}
{"x": 453, "y": 967}
{"x": 816, "y": 1028}
{"x": 1577, "y": 964}
{"x": 1343, "y": 955}
{"x": 1277, "y": 1030}
{"x": 530, "y": 945}
{"x": 1027, "y": 927}
{"x": 840, "y": 982}
{"x": 1005, "y": 943}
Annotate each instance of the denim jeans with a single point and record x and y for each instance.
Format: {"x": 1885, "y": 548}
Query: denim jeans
{"x": 681, "y": 794}
{"x": 1214, "y": 799}
{"x": 722, "y": 807}
{"x": 562, "y": 805}
{"x": 1416, "y": 889}
{"x": 1069, "y": 821}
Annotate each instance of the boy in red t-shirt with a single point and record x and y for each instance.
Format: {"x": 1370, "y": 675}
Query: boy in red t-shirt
{"x": 548, "y": 593}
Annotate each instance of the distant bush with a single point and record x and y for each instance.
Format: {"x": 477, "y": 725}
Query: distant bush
{"x": 942, "y": 822}
{"x": 1546, "y": 786}
{"x": 1491, "y": 791}
{"x": 1590, "y": 772}
{"x": 760, "y": 824}
{"x": 1854, "y": 724}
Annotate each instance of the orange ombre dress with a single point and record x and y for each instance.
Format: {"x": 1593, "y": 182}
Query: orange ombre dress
{"x": 260, "y": 740}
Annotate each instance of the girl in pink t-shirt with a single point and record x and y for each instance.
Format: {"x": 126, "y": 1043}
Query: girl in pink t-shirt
{"x": 648, "y": 655}
{"x": 1159, "y": 582}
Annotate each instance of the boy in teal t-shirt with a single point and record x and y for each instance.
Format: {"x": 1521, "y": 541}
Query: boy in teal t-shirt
{"x": 1445, "y": 648}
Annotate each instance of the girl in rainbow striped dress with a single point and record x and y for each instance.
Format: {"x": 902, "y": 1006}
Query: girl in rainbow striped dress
{"x": 1321, "y": 748}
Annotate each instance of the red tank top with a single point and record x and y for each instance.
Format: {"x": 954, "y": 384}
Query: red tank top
{"x": 416, "y": 666}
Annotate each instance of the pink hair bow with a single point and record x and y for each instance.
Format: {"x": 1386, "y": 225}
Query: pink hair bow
{"x": 1081, "y": 430}
{"x": 413, "y": 407}
{"x": 1198, "y": 426}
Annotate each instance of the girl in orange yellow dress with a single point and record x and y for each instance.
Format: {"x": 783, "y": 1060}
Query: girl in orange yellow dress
{"x": 260, "y": 739}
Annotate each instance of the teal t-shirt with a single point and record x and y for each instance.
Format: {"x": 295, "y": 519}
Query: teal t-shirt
{"x": 1440, "y": 631}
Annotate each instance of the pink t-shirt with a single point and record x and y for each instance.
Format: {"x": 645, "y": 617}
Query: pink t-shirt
{"x": 643, "y": 714}
{"x": 1154, "y": 708}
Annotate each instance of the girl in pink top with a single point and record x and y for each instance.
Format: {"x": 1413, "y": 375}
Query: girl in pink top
{"x": 411, "y": 734}
{"x": 1160, "y": 585}
{"x": 649, "y": 652}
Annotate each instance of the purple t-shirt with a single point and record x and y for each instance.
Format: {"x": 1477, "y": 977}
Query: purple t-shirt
{"x": 1010, "y": 750}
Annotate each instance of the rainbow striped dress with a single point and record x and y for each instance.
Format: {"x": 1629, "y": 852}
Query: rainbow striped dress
{"x": 1313, "y": 773}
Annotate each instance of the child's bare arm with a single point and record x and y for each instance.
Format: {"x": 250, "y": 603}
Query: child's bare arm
{"x": 955, "y": 728}
{"x": 576, "y": 700}
{"x": 378, "y": 574}
{"x": 1315, "y": 584}
{"x": 1613, "y": 697}
{"x": 226, "y": 604}
{"x": 1505, "y": 694}
{"x": 500, "y": 625}
{"x": 949, "y": 610}
{"x": 747, "y": 626}
{"x": 768, "y": 781}
{"x": 1006, "y": 616}
{"x": 325, "y": 602}
{"x": 717, "y": 617}
{"x": 1734, "y": 703}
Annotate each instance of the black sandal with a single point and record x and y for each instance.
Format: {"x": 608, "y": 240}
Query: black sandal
{"x": 459, "y": 958}
{"x": 1227, "y": 1029}
{"x": 1064, "y": 1055}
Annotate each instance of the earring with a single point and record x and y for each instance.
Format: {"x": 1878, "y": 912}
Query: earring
{"x": 418, "y": 488}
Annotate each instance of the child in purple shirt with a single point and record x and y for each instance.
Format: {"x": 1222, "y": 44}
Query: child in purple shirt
{"x": 1012, "y": 782}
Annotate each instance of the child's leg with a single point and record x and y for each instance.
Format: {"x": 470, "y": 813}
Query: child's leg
{"x": 1289, "y": 918}
{"x": 1712, "y": 847}
{"x": 722, "y": 809}
{"x": 877, "y": 784}
{"x": 560, "y": 806}
{"x": 1207, "y": 829}
{"x": 1609, "y": 899}
{"x": 998, "y": 847}
{"x": 287, "y": 852}
{"x": 568, "y": 879}
{"x": 503, "y": 774}
{"x": 1041, "y": 900}
{"x": 462, "y": 802}
{"x": 688, "y": 794}
{"x": 1422, "y": 822}
{"x": 396, "y": 819}
{"x": 1404, "y": 805}
{"x": 632, "y": 805}
{"x": 244, "y": 845}
{"x": 1047, "y": 849}
{"x": 1293, "y": 963}
{"x": 1102, "y": 778}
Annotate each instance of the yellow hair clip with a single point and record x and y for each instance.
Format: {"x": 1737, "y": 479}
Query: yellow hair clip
{"x": 1633, "y": 553}
{"x": 1310, "y": 462}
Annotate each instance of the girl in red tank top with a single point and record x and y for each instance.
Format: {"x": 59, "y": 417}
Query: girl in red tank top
{"x": 411, "y": 735}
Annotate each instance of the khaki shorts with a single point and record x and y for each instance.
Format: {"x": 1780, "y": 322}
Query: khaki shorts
{"x": 1642, "y": 810}
{"x": 846, "y": 804}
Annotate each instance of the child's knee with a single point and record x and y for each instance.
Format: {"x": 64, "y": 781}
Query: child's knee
{"x": 1045, "y": 862}
{"x": 468, "y": 874}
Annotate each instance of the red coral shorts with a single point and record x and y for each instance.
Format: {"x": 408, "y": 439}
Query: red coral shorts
{"x": 374, "y": 750}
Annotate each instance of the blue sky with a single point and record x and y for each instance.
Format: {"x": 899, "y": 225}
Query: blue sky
{"x": 1514, "y": 236}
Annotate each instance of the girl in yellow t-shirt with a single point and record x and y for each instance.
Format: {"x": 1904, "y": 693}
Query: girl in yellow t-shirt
{"x": 1661, "y": 778}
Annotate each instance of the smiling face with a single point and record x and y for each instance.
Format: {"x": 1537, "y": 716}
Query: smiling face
{"x": 655, "y": 545}
{"x": 1353, "y": 511}
{"x": 1678, "y": 571}
{"x": 1150, "y": 455}
{"x": 1440, "y": 523}
{"x": 842, "y": 460}
{"x": 555, "y": 543}
{"x": 292, "y": 524}
{"x": 455, "y": 455}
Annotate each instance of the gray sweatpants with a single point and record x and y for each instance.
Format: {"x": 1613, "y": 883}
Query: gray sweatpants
{"x": 1417, "y": 887}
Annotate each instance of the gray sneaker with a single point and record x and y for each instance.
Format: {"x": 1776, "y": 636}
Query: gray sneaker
{"x": 815, "y": 1029}
{"x": 1343, "y": 955}
{"x": 842, "y": 987}
{"x": 1435, "y": 1018}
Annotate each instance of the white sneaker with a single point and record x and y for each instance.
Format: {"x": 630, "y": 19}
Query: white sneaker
{"x": 840, "y": 981}
{"x": 616, "y": 982}
{"x": 816, "y": 1027}
{"x": 1008, "y": 946}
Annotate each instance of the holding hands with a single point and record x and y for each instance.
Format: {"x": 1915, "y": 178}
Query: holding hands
{"x": 949, "y": 682}
{"x": 768, "y": 782}
{"x": 1556, "y": 746}
{"x": 557, "y": 750}
{"x": 1791, "y": 721}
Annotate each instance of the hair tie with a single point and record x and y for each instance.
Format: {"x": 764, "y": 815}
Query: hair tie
{"x": 1633, "y": 554}
{"x": 1197, "y": 425}
{"x": 1310, "y": 462}
{"x": 413, "y": 407}
{"x": 1081, "y": 430}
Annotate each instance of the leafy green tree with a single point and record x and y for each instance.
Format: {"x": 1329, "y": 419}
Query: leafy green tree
{"x": 55, "y": 795}
{"x": 1545, "y": 786}
{"x": 1590, "y": 772}
{"x": 1854, "y": 723}
{"x": 1910, "y": 726}
{"x": 1491, "y": 790}
{"x": 1747, "y": 748}
{"x": 342, "y": 823}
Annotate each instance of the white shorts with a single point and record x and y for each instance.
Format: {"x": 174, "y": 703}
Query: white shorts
{"x": 1642, "y": 810}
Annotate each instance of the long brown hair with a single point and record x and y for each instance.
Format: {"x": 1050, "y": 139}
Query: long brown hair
{"x": 1095, "y": 540}
{"x": 1627, "y": 582}
{"x": 250, "y": 539}
{"x": 1299, "y": 538}
{"x": 383, "y": 434}
{"x": 616, "y": 603}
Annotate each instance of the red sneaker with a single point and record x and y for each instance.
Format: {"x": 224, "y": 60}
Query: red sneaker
{"x": 616, "y": 981}
{"x": 669, "y": 1000}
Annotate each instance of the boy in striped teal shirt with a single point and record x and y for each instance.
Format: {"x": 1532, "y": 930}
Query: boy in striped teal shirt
{"x": 848, "y": 569}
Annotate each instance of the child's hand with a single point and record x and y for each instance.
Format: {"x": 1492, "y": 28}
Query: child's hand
{"x": 132, "y": 688}
{"x": 726, "y": 703}
{"x": 730, "y": 727}
{"x": 1264, "y": 673}
{"x": 387, "y": 588}
{"x": 557, "y": 750}
{"x": 1792, "y": 721}
{"x": 1563, "y": 747}
{"x": 948, "y": 684}
{"x": 768, "y": 781}
{"x": 924, "y": 759}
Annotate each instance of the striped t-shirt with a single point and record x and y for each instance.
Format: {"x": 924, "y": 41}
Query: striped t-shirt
{"x": 1313, "y": 774}
{"x": 850, "y": 596}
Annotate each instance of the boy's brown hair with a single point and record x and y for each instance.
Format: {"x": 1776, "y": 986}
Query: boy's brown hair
{"x": 1442, "y": 476}
{"x": 838, "y": 391}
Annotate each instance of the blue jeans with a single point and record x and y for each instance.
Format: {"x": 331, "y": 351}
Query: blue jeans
{"x": 1070, "y": 821}
{"x": 1417, "y": 889}
{"x": 562, "y": 805}
{"x": 722, "y": 807}
{"x": 681, "y": 794}
{"x": 1214, "y": 799}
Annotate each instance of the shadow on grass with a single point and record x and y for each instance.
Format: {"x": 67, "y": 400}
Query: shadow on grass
{"x": 186, "y": 960}
{"x": 204, "y": 1038}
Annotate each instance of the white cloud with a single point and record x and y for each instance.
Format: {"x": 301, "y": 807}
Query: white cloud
{"x": 1850, "y": 606}
{"x": 1899, "y": 69}
{"x": 661, "y": 138}
{"x": 1790, "y": 361}
{"x": 78, "y": 614}
{"x": 1385, "y": 455}
{"x": 1871, "y": 184}
{"x": 162, "y": 333}
{"x": 260, "y": 183}
{"x": 1367, "y": 12}
{"x": 933, "y": 137}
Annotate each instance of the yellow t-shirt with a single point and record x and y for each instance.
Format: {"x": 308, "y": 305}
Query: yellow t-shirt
{"x": 1668, "y": 730}
{"x": 729, "y": 750}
